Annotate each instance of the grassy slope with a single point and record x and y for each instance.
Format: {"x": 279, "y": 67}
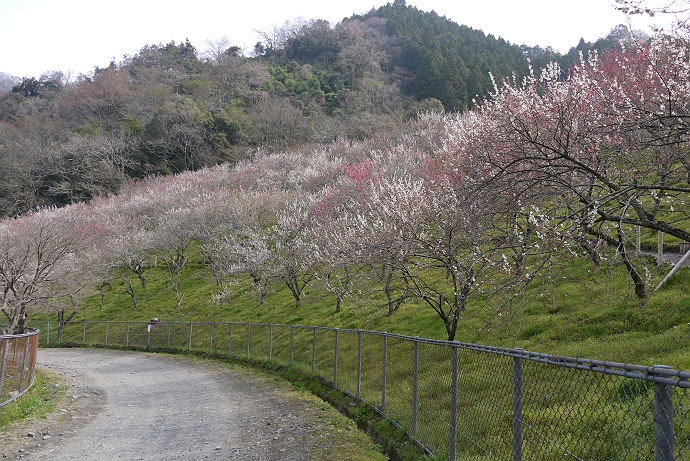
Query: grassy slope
{"x": 578, "y": 311}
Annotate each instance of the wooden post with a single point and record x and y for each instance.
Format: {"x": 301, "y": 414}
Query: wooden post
{"x": 660, "y": 249}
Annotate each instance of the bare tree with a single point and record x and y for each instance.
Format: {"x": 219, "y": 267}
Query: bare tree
{"x": 279, "y": 124}
{"x": 218, "y": 51}
{"x": 39, "y": 254}
{"x": 276, "y": 38}
{"x": 99, "y": 101}
{"x": 84, "y": 168}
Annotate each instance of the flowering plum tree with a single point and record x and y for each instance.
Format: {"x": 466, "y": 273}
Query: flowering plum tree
{"x": 241, "y": 252}
{"x": 178, "y": 230}
{"x": 129, "y": 252}
{"x": 239, "y": 242}
{"x": 42, "y": 256}
{"x": 292, "y": 250}
{"x": 428, "y": 229}
{"x": 344, "y": 245}
{"x": 338, "y": 251}
{"x": 607, "y": 146}
{"x": 677, "y": 8}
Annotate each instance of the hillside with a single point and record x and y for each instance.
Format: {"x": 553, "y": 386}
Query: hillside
{"x": 475, "y": 218}
{"x": 444, "y": 60}
{"x": 172, "y": 108}
{"x": 524, "y": 220}
{"x": 269, "y": 241}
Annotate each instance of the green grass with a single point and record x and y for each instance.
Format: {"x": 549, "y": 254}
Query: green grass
{"x": 36, "y": 403}
{"x": 578, "y": 310}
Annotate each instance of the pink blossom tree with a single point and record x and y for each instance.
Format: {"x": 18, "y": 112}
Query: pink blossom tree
{"x": 338, "y": 251}
{"x": 442, "y": 242}
{"x": 606, "y": 146}
{"x": 345, "y": 249}
{"x": 129, "y": 253}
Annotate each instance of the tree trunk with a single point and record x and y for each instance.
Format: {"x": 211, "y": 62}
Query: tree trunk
{"x": 638, "y": 281}
{"x": 62, "y": 321}
{"x": 17, "y": 321}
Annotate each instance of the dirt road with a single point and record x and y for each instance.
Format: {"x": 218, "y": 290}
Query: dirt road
{"x": 139, "y": 406}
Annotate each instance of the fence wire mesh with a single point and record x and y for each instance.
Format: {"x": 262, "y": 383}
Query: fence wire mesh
{"x": 458, "y": 401}
{"x": 17, "y": 365}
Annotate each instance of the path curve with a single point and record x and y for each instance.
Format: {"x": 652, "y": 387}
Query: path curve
{"x": 141, "y": 406}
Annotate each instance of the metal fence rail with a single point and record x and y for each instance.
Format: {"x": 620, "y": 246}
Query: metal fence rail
{"x": 17, "y": 365}
{"x": 460, "y": 401}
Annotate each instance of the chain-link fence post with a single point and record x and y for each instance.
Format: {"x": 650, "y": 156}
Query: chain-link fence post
{"x": 292, "y": 344}
{"x": 663, "y": 415}
{"x": 5, "y": 343}
{"x": 249, "y": 338}
{"x": 48, "y": 335}
{"x": 106, "y": 332}
{"x": 335, "y": 360}
{"x": 270, "y": 342}
{"x": 453, "y": 406}
{"x": 127, "y": 337}
{"x": 211, "y": 341}
{"x": 313, "y": 352}
{"x": 384, "y": 372}
{"x": 83, "y": 335}
{"x": 415, "y": 384}
{"x": 359, "y": 362}
{"x": 27, "y": 344}
{"x": 230, "y": 340}
{"x": 517, "y": 405}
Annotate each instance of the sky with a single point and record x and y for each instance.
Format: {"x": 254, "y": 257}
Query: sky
{"x": 75, "y": 36}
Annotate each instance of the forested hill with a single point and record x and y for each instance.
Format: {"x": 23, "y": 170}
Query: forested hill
{"x": 172, "y": 107}
{"x": 444, "y": 60}
{"x": 426, "y": 55}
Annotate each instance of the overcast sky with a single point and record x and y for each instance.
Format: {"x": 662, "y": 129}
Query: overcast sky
{"x": 77, "y": 35}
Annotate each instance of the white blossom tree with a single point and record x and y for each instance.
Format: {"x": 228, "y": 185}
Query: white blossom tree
{"x": 43, "y": 255}
{"x": 293, "y": 262}
{"x": 239, "y": 244}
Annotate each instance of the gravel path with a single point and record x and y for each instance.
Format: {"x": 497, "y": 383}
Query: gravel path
{"x": 140, "y": 406}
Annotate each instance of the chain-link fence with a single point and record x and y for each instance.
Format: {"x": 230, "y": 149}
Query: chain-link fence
{"x": 459, "y": 401}
{"x": 17, "y": 365}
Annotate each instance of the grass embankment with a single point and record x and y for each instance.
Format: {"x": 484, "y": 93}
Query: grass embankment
{"x": 577, "y": 310}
